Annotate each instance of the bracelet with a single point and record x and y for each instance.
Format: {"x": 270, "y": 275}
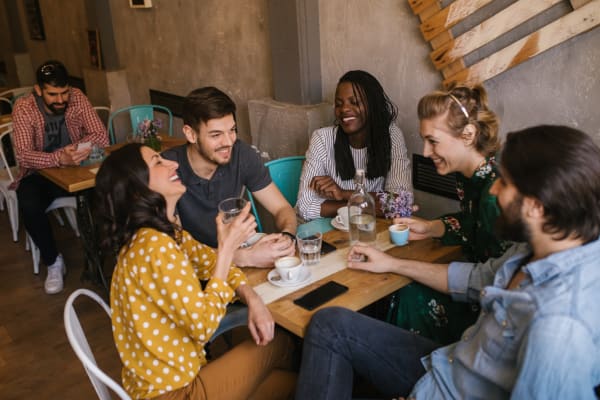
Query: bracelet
{"x": 290, "y": 235}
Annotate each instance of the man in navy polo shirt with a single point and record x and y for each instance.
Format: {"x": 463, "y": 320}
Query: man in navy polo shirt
{"x": 215, "y": 165}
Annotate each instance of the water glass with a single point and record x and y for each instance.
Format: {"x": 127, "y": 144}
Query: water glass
{"x": 231, "y": 208}
{"x": 309, "y": 246}
{"x": 96, "y": 155}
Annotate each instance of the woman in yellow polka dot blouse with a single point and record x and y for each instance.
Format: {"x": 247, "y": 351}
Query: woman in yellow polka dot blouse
{"x": 161, "y": 316}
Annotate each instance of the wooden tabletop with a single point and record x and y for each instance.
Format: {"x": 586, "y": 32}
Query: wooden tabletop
{"x": 364, "y": 287}
{"x": 76, "y": 178}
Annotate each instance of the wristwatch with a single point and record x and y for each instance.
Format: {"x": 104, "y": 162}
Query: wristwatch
{"x": 290, "y": 235}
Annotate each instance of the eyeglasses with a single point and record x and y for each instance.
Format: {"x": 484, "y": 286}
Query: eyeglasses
{"x": 48, "y": 69}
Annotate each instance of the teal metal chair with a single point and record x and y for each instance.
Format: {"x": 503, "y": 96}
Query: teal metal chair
{"x": 285, "y": 173}
{"x": 138, "y": 114}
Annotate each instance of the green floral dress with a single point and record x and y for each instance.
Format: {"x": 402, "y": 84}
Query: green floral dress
{"x": 433, "y": 314}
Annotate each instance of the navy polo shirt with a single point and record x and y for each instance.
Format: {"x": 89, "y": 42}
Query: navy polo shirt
{"x": 197, "y": 208}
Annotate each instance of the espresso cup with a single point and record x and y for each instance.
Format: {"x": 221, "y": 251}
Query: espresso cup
{"x": 342, "y": 217}
{"x": 399, "y": 234}
{"x": 289, "y": 268}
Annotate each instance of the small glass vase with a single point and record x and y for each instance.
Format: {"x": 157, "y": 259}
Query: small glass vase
{"x": 153, "y": 142}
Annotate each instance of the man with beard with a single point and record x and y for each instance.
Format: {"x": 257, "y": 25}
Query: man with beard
{"x": 48, "y": 126}
{"x": 215, "y": 165}
{"x": 538, "y": 333}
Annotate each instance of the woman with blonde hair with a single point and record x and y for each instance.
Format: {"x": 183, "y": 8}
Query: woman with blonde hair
{"x": 460, "y": 134}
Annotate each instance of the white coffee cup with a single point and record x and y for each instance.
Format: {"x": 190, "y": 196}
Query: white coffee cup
{"x": 342, "y": 216}
{"x": 289, "y": 268}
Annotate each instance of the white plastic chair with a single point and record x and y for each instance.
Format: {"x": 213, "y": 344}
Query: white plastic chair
{"x": 101, "y": 382}
{"x": 7, "y": 174}
{"x": 7, "y": 177}
{"x": 13, "y": 94}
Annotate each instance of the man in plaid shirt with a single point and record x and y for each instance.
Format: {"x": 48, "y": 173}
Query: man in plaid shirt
{"x": 49, "y": 126}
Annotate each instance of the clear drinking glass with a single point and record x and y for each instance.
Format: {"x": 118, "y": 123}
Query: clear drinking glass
{"x": 231, "y": 208}
{"x": 309, "y": 246}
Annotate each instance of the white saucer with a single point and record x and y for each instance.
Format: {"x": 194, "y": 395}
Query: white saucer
{"x": 273, "y": 276}
{"x": 338, "y": 226}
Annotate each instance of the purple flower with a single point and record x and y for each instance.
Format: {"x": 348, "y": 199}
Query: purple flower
{"x": 148, "y": 128}
{"x": 396, "y": 204}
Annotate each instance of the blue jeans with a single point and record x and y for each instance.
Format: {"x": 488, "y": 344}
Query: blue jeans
{"x": 339, "y": 341}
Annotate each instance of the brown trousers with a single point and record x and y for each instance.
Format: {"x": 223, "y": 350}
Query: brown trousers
{"x": 245, "y": 372}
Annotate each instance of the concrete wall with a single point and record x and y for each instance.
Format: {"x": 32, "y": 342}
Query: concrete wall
{"x": 65, "y": 29}
{"x": 560, "y": 86}
{"x": 177, "y": 46}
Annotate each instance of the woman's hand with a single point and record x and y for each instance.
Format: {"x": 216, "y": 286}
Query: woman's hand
{"x": 230, "y": 236}
{"x": 373, "y": 260}
{"x": 326, "y": 187}
{"x": 421, "y": 228}
{"x": 260, "y": 321}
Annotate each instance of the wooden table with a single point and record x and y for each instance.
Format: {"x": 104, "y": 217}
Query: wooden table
{"x": 364, "y": 287}
{"x": 76, "y": 178}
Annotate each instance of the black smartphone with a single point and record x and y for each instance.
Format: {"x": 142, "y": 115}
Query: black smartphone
{"x": 320, "y": 295}
{"x": 326, "y": 248}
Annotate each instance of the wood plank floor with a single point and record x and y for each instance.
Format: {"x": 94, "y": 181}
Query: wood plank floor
{"x": 36, "y": 359}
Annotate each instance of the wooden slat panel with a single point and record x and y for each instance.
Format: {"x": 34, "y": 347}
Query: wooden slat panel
{"x": 450, "y": 16}
{"x": 426, "y": 11}
{"x": 570, "y": 25}
{"x": 418, "y": 6}
{"x": 489, "y": 30}
{"x": 578, "y": 3}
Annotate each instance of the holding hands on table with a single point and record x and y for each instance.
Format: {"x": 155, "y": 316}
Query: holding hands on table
{"x": 263, "y": 253}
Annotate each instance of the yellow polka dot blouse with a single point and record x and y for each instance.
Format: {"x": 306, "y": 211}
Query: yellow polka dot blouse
{"x": 161, "y": 317}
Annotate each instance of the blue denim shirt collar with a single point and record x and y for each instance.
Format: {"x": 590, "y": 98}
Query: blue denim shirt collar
{"x": 562, "y": 262}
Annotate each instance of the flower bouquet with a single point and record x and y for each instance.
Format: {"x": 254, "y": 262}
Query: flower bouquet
{"x": 147, "y": 130}
{"x": 398, "y": 204}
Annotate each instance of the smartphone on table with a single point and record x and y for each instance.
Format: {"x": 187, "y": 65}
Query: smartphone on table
{"x": 320, "y": 295}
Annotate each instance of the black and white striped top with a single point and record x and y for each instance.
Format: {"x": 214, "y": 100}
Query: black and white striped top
{"x": 320, "y": 161}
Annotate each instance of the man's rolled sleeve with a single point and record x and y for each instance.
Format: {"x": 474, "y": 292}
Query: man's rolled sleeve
{"x": 458, "y": 280}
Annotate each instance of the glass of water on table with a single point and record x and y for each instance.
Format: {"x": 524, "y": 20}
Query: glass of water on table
{"x": 231, "y": 208}
{"x": 309, "y": 246}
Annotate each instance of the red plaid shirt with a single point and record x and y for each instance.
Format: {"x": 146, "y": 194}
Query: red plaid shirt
{"x": 83, "y": 125}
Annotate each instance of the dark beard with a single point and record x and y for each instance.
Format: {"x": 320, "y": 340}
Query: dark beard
{"x": 509, "y": 224}
{"x": 58, "y": 111}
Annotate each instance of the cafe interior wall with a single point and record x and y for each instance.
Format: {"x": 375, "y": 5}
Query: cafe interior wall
{"x": 560, "y": 86}
{"x": 177, "y": 46}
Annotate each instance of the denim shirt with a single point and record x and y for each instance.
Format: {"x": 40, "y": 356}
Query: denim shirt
{"x": 538, "y": 341}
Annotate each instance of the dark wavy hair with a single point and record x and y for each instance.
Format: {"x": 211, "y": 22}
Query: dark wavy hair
{"x": 124, "y": 202}
{"x": 204, "y": 104}
{"x": 559, "y": 166}
{"x": 381, "y": 112}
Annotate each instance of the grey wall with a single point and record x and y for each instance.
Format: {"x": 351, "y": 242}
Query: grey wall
{"x": 560, "y": 86}
{"x": 179, "y": 45}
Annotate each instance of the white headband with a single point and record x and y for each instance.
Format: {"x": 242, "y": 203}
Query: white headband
{"x": 462, "y": 108}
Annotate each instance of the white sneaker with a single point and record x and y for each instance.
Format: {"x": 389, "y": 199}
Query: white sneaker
{"x": 54, "y": 280}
